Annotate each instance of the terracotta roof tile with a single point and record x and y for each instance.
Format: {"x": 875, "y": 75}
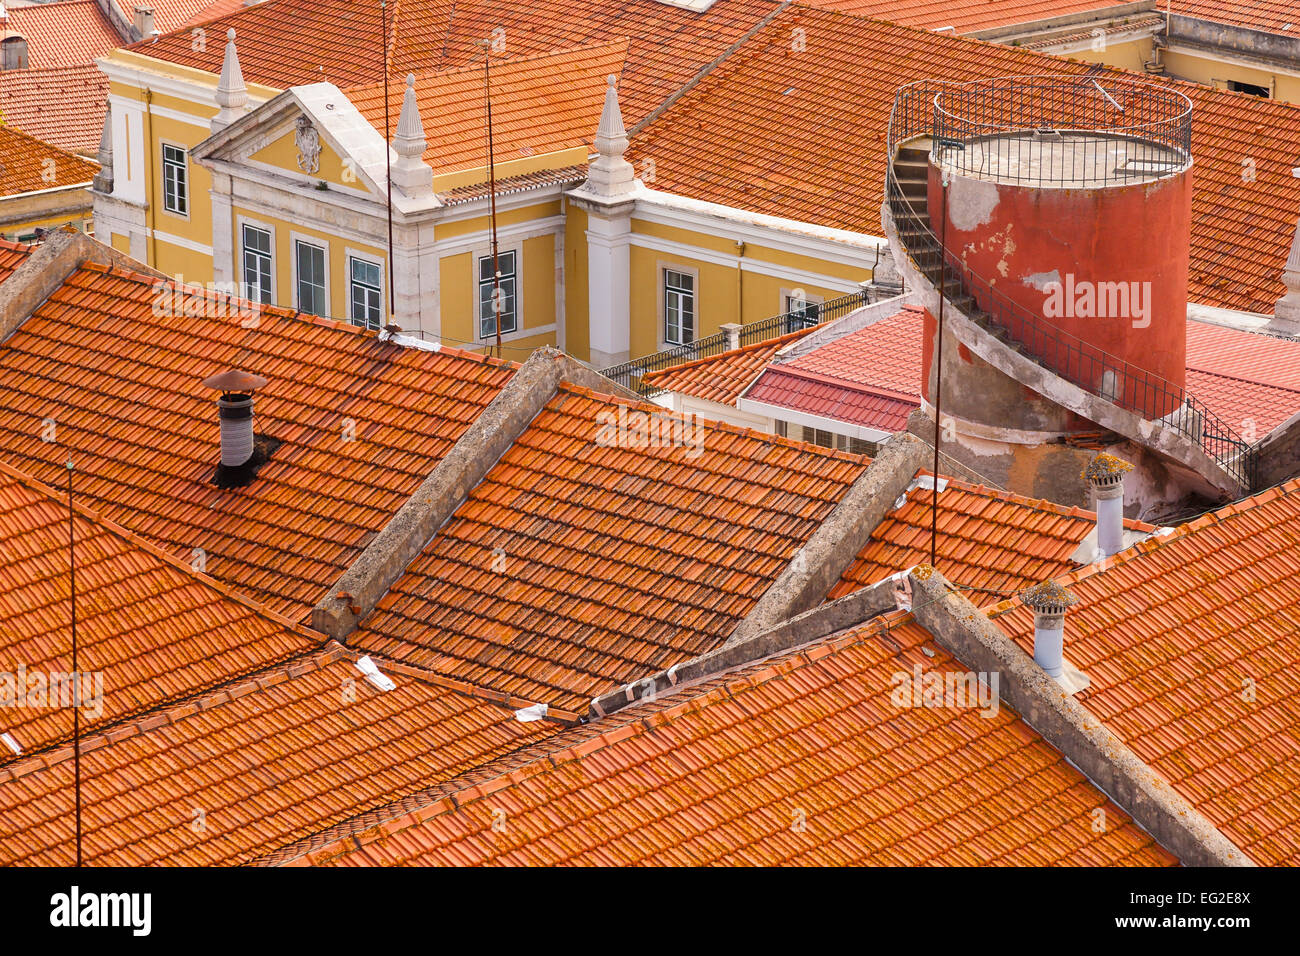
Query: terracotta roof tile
{"x": 1250, "y": 380}
{"x": 802, "y": 760}
{"x": 966, "y": 16}
{"x": 153, "y": 629}
{"x": 120, "y": 380}
{"x": 12, "y": 255}
{"x": 575, "y": 566}
{"x": 256, "y": 766}
{"x": 540, "y": 104}
{"x": 1241, "y": 227}
{"x": 66, "y": 33}
{"x": 25, "y": 164}
{"x": 992, "y": 542}
{"x": 790, "y": 388}
{"x": 287, "y": 42}
{"x": 63, "y": 106}
{"x": 1191, "y": 642}
{"x": 722, "y": 377}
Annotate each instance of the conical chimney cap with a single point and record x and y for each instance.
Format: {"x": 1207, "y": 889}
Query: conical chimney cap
{"x": 233, "y": 380}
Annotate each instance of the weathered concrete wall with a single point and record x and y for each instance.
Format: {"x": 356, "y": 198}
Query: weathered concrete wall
{"x": 498, "y": 426}
{"x": 1273, "y": 48}
{"x": 48, "y": 266}
{"x": 820, "y": 622}
{"x": 822, "y": 560}
{"x": 1279, "y": 454}
{"x": 964, "y": 631}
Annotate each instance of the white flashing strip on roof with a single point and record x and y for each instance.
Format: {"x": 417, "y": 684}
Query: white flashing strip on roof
{"x": 372, "y": 673}
{"x": 411, "y": 342}
{"x": 1229, "y": 318}
{"x": 920, "y": 481}
{"x": 11, "y": 743}
{"x": 529, "y": 714}
{"x": 695, "y": 6}
{"x": 1164, "y": 532}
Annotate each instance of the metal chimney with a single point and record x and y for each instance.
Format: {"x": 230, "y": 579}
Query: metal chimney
{"x": 235, "y": 410}
{"x": 1049, "y": 601}
{"x": 1106, "y": 475}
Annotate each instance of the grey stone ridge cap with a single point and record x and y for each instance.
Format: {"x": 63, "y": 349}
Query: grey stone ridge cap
{"x": 821, "y": 561}
{"x": 497, "y": 427}
{"x": 48, "y": 266}
{"x": 807, "y": 628}
{"x": 978, "y": 643}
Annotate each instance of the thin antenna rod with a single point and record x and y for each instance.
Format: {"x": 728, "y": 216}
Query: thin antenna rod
{"x": 76, "y": 674}
{"x": 388, "y": 163}
{"x": 492, "y": 195}
{"x": 938, "y": 368}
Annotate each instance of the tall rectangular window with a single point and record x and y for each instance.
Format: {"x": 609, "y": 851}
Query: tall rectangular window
{"x": 175, "y": 180}
{"x": 679, "y": 307}
{"x": 490, "y": 302}
{"x": 257, "y": 264}
{"x": 311, "y": 277}
{"x": 366, "y": 292}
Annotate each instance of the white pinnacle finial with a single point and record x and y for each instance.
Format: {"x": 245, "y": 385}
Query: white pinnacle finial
{"x": 409, "y": 142}
{"x": 611, "y": 137}
{"x": 410, "y": 173}
{"x": 232, "y": 94}
{"x": 1286, "y": 314}
{"x": 610, "y": 176}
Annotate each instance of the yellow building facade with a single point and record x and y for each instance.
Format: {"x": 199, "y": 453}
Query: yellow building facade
{"x": 281, "y": 196}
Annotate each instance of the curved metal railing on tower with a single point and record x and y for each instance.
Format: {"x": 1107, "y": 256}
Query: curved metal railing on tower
{"x": 915, "y": 114}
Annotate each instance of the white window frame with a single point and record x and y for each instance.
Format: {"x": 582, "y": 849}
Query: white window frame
{"x": 294, "y": 240}
{"x": 240, "y": 223}
{"x": 356, "y": 255}
{"x": 480, "y": 257}
{"x": 185, "y": 172}
{"x": 694, "y": 275}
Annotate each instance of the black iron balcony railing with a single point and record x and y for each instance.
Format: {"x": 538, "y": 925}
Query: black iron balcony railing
{"x": 630, "y": 374}
{"x": 1062, "y": 130}
{"x": 915, "y": 114}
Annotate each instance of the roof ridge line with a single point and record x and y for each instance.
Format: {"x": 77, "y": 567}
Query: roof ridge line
{"x": 479, "y": 692}
{"x": 708, "y": 68}
{"x": 482, "y": 781}
{"x": 137, "y": 541}
{"x": 139, "y": 723}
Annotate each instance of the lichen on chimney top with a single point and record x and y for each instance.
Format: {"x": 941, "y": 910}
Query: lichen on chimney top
{"x": 1048, "y": 594}
{"x": 1105, "y": 466}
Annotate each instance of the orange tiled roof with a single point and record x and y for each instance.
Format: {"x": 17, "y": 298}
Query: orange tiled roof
{"x": 26, "y": 162}
{"x": 120, "y": 380}
{"x": 224, "y": 777}
{"x": 1270, "y": 16}
{"x": 12, "y": 255}
{"x": 540, "y": 104}
{"x": 63, "y": 106}
{"x": 171, "y": 14}
{"x": 966, "y": 16}
{"x": 1248, "y": 379}
{"x": 66, "y": 33}
{"x": 576, "y": 566}
{"x": 1191, "y": 642}
{"x": 993, "y": 542}
{"x": 721, "y": 378}
{"x": 804, "y": 760}
{"x": 153, "y": 629}
{"x": 288, "y": 42}
{"x": 1241, "y": 230}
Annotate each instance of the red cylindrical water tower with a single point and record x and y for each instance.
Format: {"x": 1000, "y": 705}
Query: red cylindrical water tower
{"x": 1067, "y": 213}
